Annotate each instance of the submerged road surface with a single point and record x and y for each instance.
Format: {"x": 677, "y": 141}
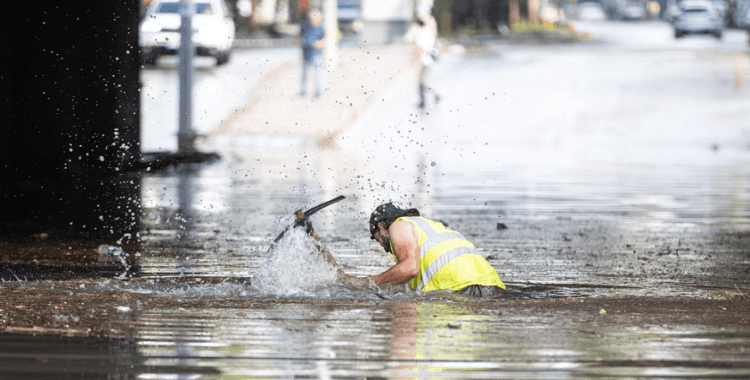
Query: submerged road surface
{"x": 607, "y": 181}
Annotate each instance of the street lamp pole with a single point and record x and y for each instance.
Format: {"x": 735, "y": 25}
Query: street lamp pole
{"x": 330, "y": 25}
{"x": 185, "y": 135}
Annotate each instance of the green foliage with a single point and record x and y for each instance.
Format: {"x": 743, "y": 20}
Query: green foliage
{"x": 525, "y": 26}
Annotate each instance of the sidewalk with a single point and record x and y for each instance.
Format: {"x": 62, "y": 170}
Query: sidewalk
{"x": 276, "y": 107}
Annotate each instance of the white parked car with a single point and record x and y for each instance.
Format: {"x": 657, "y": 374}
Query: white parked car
{"x": 698, "y": 16}
{"x": 212, "y": 24}
{"x": 633, "y": 10}
{"x": 590, "y": 11}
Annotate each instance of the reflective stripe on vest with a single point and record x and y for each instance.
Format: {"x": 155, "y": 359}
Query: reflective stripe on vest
{"x": 435, "y": 266}
{"x": 433, "y": 239}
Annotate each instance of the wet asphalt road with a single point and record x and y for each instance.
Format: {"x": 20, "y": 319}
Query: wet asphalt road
{"x": 218, "y": 91}
{"x": 619, "y": 166}
{"x": 637, "y": 148}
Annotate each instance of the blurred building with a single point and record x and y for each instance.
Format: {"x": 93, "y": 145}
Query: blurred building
{"x": 374, "y": 21}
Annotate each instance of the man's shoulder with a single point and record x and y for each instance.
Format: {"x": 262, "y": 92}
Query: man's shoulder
{"x": 402, "y": 222}
{"x": 403, "y": 227}
{"x": 404, "y": 238}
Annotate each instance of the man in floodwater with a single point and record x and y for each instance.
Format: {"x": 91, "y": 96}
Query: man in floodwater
{"x": 429, "y": 255}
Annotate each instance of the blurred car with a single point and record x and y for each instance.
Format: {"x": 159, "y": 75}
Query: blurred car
{"x": 696, "y": 16}
{"x": 672, "y": 11}
{"x": 723, "y": 8}
{"x": 590, "y": 11}
{"x": 741, "y": 14}
{"x": 212, "y": 24}
{"x": 633, "y": 10}
{"x": 349, "y": 15}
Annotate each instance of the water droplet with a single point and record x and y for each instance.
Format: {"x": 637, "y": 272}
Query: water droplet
{"x": 433, "y": 163}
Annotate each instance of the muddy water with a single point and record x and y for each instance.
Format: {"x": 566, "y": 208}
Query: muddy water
{"x": 589, "y": 228}
{"x": 577, "y": 233}
{"x": 202, "y": 303}
{"x": 446, "y": 339}
{"x": 435, "y": 337}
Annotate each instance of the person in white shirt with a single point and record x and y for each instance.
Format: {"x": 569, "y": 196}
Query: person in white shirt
{"x": 424, "y": 37}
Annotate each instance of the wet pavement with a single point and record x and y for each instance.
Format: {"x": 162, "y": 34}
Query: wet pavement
{"x": 610, "y": 191}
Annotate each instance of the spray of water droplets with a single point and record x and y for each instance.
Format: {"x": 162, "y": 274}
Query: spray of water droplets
{"x": 294, "y": 266}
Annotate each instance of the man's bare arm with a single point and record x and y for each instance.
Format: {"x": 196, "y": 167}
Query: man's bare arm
{"x": 405, "y": 240}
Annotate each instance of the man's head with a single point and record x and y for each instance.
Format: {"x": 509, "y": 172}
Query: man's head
{"x": 382, "y": 218}
{"x": 315, "y": 17}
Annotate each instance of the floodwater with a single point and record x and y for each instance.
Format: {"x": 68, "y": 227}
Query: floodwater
{"x": 611, "y": 193}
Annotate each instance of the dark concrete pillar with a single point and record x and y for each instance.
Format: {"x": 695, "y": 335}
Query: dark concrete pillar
{"x": 70, "y": 118}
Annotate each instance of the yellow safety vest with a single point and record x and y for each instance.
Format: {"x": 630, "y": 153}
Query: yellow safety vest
{"x": 447, "y": 260}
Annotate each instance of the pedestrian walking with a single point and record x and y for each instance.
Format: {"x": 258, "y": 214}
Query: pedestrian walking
{"x": 424, "y": 37}
{"x": 429, "y": 256}
{"x": 312, "y": 39}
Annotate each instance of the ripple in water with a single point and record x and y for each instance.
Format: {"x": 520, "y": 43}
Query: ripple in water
{"x": 293, "y": 268}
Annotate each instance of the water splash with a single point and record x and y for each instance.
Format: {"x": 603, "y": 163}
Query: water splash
{"x": 109, "y": 253}
{"x": 294, "y": 266}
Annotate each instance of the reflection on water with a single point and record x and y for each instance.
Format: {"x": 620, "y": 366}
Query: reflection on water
{"x": 439, "y": 338}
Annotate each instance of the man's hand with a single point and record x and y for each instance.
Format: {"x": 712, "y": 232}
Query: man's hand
{"x": 404, "y": 238}
{"x": 354, "y": 281}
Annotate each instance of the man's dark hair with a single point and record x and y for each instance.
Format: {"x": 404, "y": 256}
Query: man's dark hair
{"x": 387, "y": 222}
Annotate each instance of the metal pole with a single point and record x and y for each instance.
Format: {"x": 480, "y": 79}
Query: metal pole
{"x": 185, "y": 135}
{"x": 330, "y": 24}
